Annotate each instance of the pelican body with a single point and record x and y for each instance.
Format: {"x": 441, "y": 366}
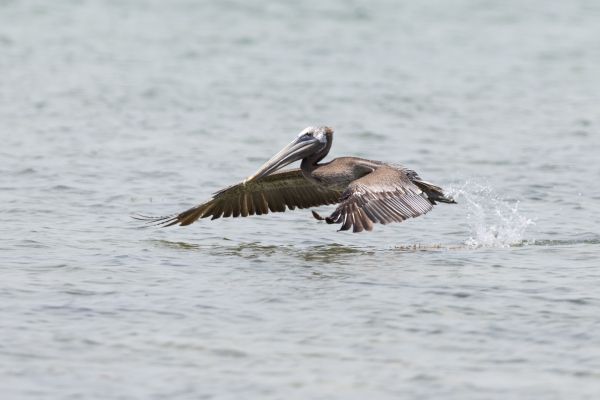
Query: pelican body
{"x": 366, "y": 191}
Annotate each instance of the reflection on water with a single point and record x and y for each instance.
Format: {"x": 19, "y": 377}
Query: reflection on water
{"x": 176, "y": 245}
{"x": 330, "y": 254}
{"x": 342, "y": 254}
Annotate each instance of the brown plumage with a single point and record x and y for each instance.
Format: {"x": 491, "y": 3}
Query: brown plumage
{"x": 271, "y": 193}
{"x": 367, "y": 191}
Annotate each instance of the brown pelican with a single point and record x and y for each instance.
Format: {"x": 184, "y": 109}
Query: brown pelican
{"x": 367, "y": 191}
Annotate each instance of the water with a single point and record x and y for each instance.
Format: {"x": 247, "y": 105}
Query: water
{"x": 112, "y": 108}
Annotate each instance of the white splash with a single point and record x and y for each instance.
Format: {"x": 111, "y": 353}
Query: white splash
{"x": 493, "y": 221}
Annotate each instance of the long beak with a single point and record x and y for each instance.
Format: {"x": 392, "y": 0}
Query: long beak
{"x": 300, "y": 148}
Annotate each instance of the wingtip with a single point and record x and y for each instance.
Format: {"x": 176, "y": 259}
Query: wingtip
{"x": 317, "y": 215}
{"x": 162, "y": 221}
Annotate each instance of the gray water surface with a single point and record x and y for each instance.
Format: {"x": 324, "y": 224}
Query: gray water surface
{"x": 117, "y": 107}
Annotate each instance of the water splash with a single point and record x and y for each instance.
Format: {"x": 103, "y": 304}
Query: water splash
{"x": 493, "y": 221}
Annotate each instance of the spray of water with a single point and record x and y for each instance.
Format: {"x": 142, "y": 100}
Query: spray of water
{"x": 493, "y": 221}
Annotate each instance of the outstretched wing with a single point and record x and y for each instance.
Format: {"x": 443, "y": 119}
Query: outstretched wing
{"x": 385, "y": 195}
{"x": 273, "y": 193}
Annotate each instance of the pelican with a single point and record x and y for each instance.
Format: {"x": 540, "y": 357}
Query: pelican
{"x": 366, "y": 191}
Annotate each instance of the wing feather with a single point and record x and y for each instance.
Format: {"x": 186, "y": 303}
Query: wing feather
{"x": 276, "y": 192}
{"x": 385, "y": 195}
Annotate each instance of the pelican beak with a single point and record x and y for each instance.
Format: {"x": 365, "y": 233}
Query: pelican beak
{"x": 301, "y": 147}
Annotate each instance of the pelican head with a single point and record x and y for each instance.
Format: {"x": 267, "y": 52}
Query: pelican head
{"x": 310, "y": 141}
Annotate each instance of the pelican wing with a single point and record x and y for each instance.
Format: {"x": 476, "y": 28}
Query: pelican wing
{"x": 388, "y": 194}
{"x": 273, "y": 193}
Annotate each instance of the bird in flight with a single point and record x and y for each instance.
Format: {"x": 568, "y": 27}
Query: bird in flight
{"x": 366, "y": 191}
